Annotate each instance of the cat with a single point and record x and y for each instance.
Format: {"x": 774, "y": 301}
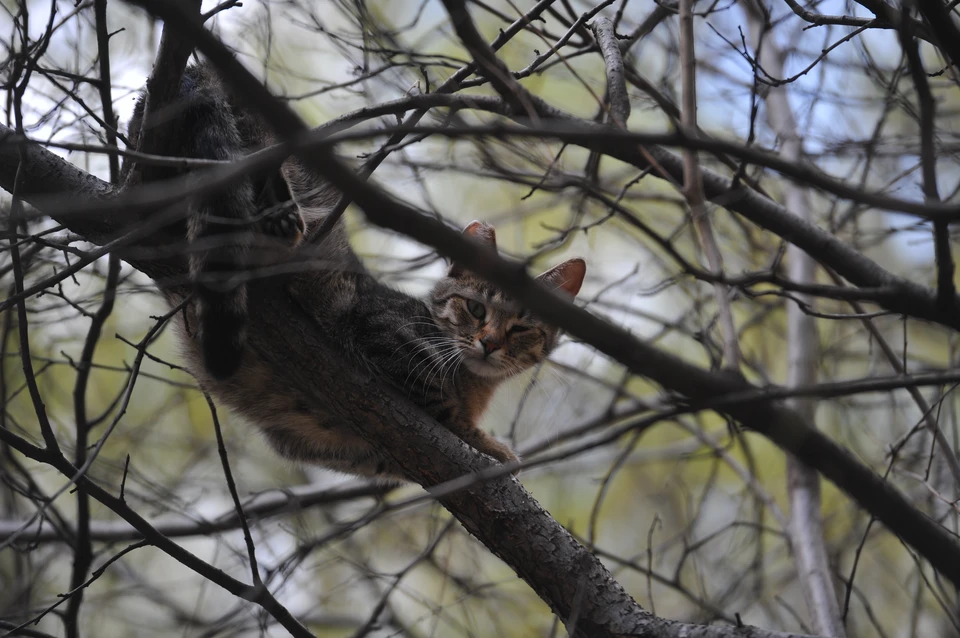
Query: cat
{"x": 447, "y": 353}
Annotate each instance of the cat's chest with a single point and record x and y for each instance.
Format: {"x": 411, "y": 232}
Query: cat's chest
{"x": 473, "y": 399}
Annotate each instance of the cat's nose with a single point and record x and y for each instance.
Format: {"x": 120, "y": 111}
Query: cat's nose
{"x": 489, "y": 345}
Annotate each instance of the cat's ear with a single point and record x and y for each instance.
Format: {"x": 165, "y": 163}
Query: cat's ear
{"x": 481, "y": 232}
{"x": 567, "y": 276}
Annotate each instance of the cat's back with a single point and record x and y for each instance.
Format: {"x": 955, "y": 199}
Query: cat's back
{"x": 382, "y": 328}
{"x": 363, "y": 312}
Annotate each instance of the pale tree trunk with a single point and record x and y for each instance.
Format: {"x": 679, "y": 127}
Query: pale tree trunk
{"x": 803, "y": 351}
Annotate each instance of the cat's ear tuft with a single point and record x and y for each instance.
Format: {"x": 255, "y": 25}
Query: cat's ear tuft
{"x": 567, "y": 276}
{"x": 482, "y": 232}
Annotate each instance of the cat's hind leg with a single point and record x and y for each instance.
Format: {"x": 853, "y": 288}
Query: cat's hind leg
{"x": 279, "y": 216}
{"x": 303, "y": 437}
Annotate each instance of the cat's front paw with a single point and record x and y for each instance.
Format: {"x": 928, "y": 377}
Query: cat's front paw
{"x": 506, "y": 456}
{"x": 514, "y": 459}
{"x": 285, "y": 224}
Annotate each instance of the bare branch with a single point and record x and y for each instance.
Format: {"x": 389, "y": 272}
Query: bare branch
{"x": 693, "y": 189}
{"x": 940, "y": 21}
{"x": 606, "y": 37}
{"x": 946, "y": 291}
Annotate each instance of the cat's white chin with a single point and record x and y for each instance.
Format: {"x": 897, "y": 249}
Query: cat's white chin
{"x": 484, "y": 368}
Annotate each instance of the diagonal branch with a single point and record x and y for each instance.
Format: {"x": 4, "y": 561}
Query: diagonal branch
{"x": 783, "y": 426}
{"x": 120, "y": 507}
{"x": 260, "y": 506}
{"x": 489, "y": 65}
{"x": 163, "y": 88}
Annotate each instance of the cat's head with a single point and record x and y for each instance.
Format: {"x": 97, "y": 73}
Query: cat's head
{"x": 497, "y": 337}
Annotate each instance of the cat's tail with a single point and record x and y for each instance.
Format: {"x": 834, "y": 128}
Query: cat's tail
{"x": 219, "y": 242}
{"x": 219, "y": 227}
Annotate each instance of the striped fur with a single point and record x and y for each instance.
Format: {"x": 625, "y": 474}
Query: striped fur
{"x": 220, "y": 228}
{"x": 447, "y": 353}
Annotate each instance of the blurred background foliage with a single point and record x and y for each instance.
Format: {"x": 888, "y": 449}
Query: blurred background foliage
{"x": 684, "y": 512}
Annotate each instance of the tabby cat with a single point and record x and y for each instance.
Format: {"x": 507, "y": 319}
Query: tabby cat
{"x": 447, "y": 353}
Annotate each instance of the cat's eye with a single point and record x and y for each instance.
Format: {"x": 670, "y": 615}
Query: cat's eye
{"x": 518, "y": 328}
{"x": 476, "y": 309}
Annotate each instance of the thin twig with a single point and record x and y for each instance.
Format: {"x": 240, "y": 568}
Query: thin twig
{"x": 693, "y": 189}
{"x": 232, "y": 488}
{"x": 83, "y": 548}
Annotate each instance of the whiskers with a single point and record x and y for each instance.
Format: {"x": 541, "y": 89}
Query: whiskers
{"x": 562, "y": 381}
{"x": 434, "y": 359}
{"x": 441, "y": 357}
{"x": 447, "y": 364}
{"x": 509, "y": 366}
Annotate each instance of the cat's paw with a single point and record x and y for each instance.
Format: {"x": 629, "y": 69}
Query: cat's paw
{"x": 285, "y": 224}
{"x": 516, "y": 459}
{"x": 506, "y": 456}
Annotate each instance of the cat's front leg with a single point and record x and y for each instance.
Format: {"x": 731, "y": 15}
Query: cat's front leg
{"x": 482, "y": 442}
